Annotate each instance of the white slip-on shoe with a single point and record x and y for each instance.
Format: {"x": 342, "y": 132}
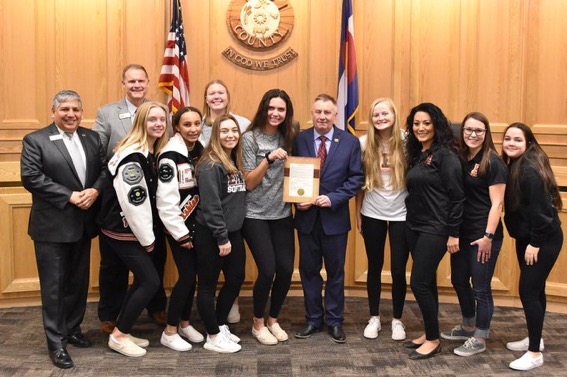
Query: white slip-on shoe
{"x": 264, "y": 336}
{"x": 221, "y": 344}
{"x": 175, "y": 342}
{"x": 230, "y": 336}
{"x": 278, "y": 332}
{"x": 527, "y": 362}
{"x": 371, "y": 330}
{"x": 522, "y": 345}
{"x": 191, "y": 334}
{"x": 233, "y": 314}
{"x": 125, "y": 347}
{"x": 398, "y": 330}
{"x": 139, "y": 341}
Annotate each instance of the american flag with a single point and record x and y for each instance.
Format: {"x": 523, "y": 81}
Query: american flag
{"x": 347, "y": 98}
{"x": 174, "y": 77}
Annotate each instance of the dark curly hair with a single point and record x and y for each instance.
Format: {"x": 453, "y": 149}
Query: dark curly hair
{"x": 443, "y": 134}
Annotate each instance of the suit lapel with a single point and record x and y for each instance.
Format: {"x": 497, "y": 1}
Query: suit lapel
{"x": 126, "y": 123}
{"x": 337, "y": 134}
{"x": 311, "y": 143}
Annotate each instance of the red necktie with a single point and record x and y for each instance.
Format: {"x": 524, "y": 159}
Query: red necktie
{"x": 322, "y": 151}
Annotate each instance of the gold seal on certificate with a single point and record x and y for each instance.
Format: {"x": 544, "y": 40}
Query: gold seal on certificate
{"x": 301, "y": 179}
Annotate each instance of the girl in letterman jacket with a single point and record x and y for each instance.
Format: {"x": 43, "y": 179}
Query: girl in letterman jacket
{"x": 177, "y": 201}
{"x": 129, "y": 217}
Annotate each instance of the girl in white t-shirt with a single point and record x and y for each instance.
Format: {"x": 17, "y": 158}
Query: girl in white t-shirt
{"x": 381, "y": 210}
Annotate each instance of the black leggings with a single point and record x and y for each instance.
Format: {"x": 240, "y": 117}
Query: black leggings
{"x": 374, "y": 233}
{"x": 272, "y": 245}
{"x": 427, "y": 250}
{"x": 532, "y": 283}
{"x": 146, "y": 280}
{"x": 181, "y": 299}
{"x": 209, "y": 266}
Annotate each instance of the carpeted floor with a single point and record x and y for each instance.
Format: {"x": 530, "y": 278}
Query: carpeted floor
{"x": 23, "y": 350}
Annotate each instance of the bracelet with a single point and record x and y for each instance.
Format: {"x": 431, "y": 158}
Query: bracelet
{"x": 489, "y": 235}
{"x": 267, "y": 156}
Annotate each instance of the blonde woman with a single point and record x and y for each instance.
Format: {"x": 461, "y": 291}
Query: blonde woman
{"x": 381, "y": 210}
{"x": 129, "y": 218}
{"x": 218, "y": 240}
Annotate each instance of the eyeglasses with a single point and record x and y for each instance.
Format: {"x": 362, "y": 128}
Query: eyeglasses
{"x": 469, "y": 131}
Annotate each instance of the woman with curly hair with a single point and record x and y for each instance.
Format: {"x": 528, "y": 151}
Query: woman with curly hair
{"x": 434, "y": 213}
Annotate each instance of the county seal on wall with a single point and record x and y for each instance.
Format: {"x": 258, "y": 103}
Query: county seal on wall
{"x": 260, "y": 24}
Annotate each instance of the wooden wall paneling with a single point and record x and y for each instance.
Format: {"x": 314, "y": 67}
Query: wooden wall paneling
{"x": 557, "y": 280}
{"x": 18, "y": 272}
{"x": 79, "y": 51}
{"x": 546, "y": 56}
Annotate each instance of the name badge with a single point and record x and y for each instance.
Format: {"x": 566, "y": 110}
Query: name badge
{"x": 56, "y": 137}
{"x": 124, "y": 115}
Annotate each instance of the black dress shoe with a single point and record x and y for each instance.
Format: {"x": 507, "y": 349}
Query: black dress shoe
{"x": 309, "y": 330}
{"x": 79, "y": 340}
{"x": 410, "y": 344}
{"x": 414, "y": 355}
{"x": 337, "y": 334}
{"x": 61, "y": 359}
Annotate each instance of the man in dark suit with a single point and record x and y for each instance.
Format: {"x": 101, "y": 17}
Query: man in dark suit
{"x": 113, "y": 122}
{"x": 323, "y": 225}
{"x": 63, "y": 167}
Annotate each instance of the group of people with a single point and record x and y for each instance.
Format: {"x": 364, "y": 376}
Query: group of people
{"x": 213, "y": 180}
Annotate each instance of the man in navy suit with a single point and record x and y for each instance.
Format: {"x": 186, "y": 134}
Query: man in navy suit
{"x": 113, "y": 122}
{"x": 323, "y": 225}
{"x": 63, "y": 167}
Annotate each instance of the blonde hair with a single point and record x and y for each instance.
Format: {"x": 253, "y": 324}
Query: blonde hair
{"x": 372, "y": 158}
{"x": 139, "y": 132}
{"x": 214, "y": 153}
{"x": 207, "y": 109}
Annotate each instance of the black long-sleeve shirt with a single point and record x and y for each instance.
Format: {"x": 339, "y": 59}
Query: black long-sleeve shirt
{"x": 435, "y": 193}
{"x": 536, "y": 217}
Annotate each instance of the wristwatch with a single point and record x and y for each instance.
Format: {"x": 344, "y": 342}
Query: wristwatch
{"x": 267, "y": 155}
{"x": 489, "y": 235}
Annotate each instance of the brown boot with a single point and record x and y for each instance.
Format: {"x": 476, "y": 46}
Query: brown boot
{"x": 107, "y": 326}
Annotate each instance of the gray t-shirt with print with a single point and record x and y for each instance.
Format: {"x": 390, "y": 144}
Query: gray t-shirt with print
{"x": 265, "y": 202}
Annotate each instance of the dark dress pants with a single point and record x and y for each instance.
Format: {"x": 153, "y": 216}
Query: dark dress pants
{"x": 63, "y": 270}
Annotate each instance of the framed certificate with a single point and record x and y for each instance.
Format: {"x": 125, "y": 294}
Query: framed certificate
{"x": 301, "y": 179}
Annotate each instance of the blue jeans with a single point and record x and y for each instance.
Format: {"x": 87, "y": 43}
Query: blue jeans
{"x": 476, "y": 300}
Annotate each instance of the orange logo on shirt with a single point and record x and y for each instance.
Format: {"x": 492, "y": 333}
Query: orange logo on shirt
{"x": 474, "y": 171}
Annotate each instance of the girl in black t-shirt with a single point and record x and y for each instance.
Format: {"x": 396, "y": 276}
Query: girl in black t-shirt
{"x": 481, "y": 234}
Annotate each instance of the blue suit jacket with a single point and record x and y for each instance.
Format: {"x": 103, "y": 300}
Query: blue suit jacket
{"x": 341, "y": 179}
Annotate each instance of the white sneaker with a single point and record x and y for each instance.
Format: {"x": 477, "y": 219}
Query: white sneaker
{"x": 522, "y": 345}
{"x": 278, "y": 332}
{"x": 264, "y": 336}
{"x": 190, "y": 333}
{"x": 371, "y": 330}
{"x": 398, "y": 330}
{"x": 125, "y": 347}
{"x": 139, "y": 341}
{"x": 230, "y": 336}
{"x": 175, "y": 342}
{"x": 221, "y": 344}
{"x": 234, "y": 314}
{"x": 527, "y": 362}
